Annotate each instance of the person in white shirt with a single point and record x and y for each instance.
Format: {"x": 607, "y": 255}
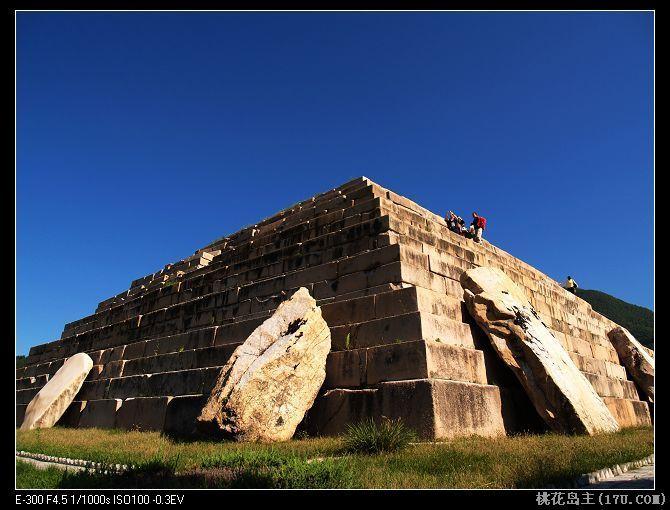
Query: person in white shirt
{"x": 570, "y": 285}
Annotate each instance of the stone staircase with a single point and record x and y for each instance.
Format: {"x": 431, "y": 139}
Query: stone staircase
{"x": 385, "y": 272}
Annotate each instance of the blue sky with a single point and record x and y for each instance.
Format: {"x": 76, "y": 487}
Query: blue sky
{"x": 143, "y": 136}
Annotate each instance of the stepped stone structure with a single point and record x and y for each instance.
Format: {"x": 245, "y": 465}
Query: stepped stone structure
{"x": 385, "y": 273}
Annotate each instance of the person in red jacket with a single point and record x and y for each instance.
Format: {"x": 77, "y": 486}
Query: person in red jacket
{"x": 478, "y": 226}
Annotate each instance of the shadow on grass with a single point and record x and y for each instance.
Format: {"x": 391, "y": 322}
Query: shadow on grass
{"x": 206, "y": 479}
{"x": 251, "y": 470}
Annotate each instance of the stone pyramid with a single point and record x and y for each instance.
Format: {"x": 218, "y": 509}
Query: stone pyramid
{"x": 385, "y": 272}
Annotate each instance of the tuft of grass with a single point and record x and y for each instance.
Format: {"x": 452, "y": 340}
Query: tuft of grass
{"x": 369, "y": 437}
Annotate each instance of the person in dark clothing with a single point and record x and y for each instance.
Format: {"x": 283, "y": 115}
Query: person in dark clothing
{"x": 455, "y": 223}
{"x": 450, "y": 218}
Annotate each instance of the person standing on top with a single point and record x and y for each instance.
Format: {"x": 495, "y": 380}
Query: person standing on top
{"x": 477, "y": 227}
{"x": 570, "y": 285}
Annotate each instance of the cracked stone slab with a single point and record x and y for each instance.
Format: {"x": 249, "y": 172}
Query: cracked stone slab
{"x": 635, "y": 358}
{"x": 272, "y": 379}
{"x": 50, "y": 403}
{"x": 560, "y": 393}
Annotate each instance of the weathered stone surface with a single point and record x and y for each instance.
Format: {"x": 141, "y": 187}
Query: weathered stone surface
{"x": 433, "y": 408}
{"x": 629, "y": 413}
{"x": 100, "y": 414}
{"x": 635, "y": 358}
{"x": 559, "y": 391}
{"x": 182, "y": 413}
{"x": 54, "y": 398}
{"x": 72, "y": 414}
{"x": 142, "y": 413}
{"x": 272, "y": 379}
{"x": 404, "y": 361}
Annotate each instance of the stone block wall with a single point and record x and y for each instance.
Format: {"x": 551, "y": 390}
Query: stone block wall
{"x": 385, "y": 272}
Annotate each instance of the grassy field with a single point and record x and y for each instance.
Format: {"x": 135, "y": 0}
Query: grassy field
{"x": 524, "y": 461}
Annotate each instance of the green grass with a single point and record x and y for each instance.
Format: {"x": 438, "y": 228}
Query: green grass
{"x": 523, "y": 461}
{"x": 133, "y": 447}
{"x": 29, "y": 477}
{"x": 370, "y": 437}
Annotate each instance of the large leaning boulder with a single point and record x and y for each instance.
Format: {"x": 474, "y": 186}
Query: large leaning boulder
{"x": 272, "y": 379}
{"x": 46, "y": 408}
{"x": 635, "y": 358}
{"x": 561, "y": 394}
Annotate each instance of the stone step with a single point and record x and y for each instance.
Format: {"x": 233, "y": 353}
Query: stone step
{"x": 329, "y": 219}
{"x": 407, "y": 204}
{"x": 182, "y": 360}
{"x": 179, "y": 382}
{"x": 397, "y": 272}
{"x": 433, "y": 408}
{"x": 341, "y": 220}
{"x": 99, "y": 414}
{"x": 26, "y": 395}
{"x": 402, "y": 328}
{"x": 600, "y": 367}
{"x": 606, "y": 387}
{"x": 629, "y": 413}
{"x": 25, "y": 383}
{"x": 359, "y": 368}
{"x": 48, "y": 368}
{"x": 195, "y": 339}
{"x": 143, "y": 413}
{"x": 388, "y": 304}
